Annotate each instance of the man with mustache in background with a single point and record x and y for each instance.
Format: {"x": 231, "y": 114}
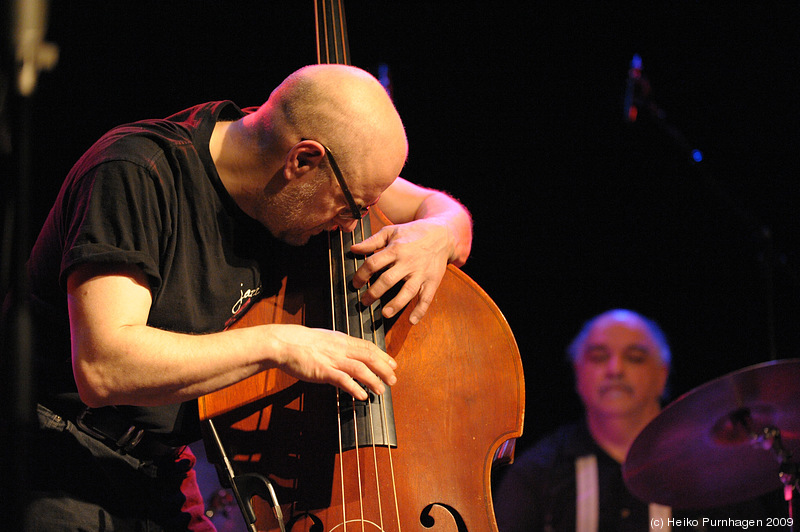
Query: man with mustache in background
{"x": 621, "y": 362}
{"x": 572, "y": 480}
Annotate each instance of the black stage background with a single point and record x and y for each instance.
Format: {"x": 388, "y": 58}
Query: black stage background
{"x": 517, "y": 110}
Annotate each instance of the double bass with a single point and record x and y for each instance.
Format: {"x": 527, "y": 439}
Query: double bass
{"x": 301, "y": 456}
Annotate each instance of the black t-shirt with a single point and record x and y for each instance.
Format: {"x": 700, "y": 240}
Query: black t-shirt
{"x": 538, "y": 491}
{"x": 148, "y": 194}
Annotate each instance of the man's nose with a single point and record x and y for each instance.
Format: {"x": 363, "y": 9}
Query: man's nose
{"x": 349, "y": 225}
{"x": 615, "y": 364}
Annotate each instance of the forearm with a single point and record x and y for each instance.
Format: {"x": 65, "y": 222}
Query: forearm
{"x": 405, "y": 202}
{"x": 141, "y": 365}
{"x": 144, "y": 366}
{"x": 441, "y": 208}
{"x": 118, "y": 359}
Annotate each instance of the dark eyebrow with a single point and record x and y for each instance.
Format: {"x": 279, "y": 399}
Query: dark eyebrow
{"x": 639, "y": 347}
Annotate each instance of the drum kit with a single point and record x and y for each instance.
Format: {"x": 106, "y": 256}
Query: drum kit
{"x": 732, "y": 439}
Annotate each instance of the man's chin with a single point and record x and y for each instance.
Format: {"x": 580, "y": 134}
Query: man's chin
{"x": 296, "y": 240}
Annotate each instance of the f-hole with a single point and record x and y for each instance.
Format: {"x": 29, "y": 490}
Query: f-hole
{"x": 428, "y": 521}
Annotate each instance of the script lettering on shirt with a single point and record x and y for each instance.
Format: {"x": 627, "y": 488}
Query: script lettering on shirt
{"x": 244, "y": 298}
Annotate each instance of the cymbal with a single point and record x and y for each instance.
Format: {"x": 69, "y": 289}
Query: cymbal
{"x": 699, "y": 451}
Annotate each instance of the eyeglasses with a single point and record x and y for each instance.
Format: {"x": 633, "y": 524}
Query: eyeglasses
{"x": 356, "y": 211}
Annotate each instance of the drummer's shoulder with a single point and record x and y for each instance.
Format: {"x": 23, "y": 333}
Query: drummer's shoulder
{"x": 560, "y": 447}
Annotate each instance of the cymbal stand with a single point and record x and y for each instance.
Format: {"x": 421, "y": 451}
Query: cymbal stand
{"x": 770, "y": 438}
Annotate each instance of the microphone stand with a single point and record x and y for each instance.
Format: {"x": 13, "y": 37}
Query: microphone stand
{"x": 24, "y": 56}
{"x": 638, "y": 102}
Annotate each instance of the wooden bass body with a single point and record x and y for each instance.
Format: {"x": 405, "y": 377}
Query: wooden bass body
{"x": 424, "y": 465}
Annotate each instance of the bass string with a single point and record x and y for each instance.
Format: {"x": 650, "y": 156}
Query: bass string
{"x": 373, "y": 321}
{"x": 343, "y": 256}
{"x": 342, "y": 284}
{"x": 359, "y": 334}
{"x": 332, "y": 44}
{"x": 329, "y": 51}
{"x": 334, "y": 327}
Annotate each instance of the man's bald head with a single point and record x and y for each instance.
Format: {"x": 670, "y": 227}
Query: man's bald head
{"x": 343, "y": 107}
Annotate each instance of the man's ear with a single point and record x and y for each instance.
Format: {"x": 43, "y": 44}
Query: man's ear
{"x": 303, "y": 157}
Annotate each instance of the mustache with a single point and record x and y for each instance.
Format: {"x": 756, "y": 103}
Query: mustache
{"x": 614, "y": 386}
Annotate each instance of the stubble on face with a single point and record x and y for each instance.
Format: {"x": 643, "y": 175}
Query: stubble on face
{"x": 286, "y": 213}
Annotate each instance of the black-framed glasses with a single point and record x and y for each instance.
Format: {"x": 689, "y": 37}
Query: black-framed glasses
{"x": 356, "y": 211}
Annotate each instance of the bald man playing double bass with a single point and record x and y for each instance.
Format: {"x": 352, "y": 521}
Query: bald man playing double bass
{"x": 161, "y": 234}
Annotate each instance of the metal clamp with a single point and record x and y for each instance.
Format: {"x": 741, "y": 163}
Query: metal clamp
{"x": 124, "y": 443}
